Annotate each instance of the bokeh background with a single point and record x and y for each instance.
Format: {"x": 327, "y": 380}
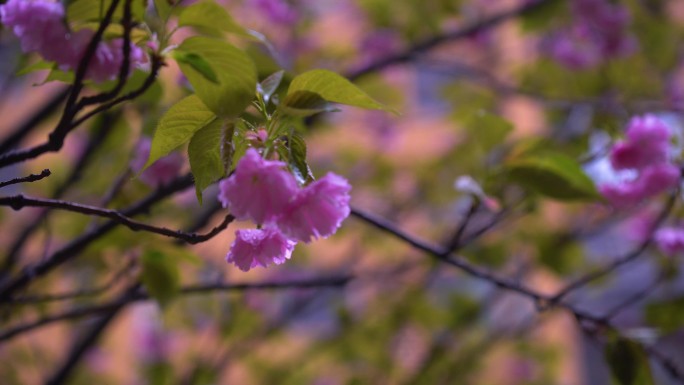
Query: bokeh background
{"x": 563, "y": 76}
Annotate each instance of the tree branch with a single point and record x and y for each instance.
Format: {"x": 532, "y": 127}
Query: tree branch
{"x": 73, "y": 248}
{"x": 13, "y": 139}
{"x": 464, "y": 32}
{"x": 541, "y": 301}
{"x": 101, "y": 133}
{"x": 26, "y": 179}
{"x": 17, "y": 202}
{"x": 56, "y": 138}
{"x": 629, "y": 257}
{"x": 127, "y": 22}
{"x": 335, "y": 281}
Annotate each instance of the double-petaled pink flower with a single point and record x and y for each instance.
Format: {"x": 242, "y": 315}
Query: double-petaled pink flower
{"x": 645, "y": 153}
{"x": 263, "y": 191}
{"x": 317, "y": 210}
{"x": 259, "y": 247}
{"x": 258, "y": 190}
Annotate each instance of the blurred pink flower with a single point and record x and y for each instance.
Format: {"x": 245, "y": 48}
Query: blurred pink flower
{"x": 317, "y": 210}
{"x": 160, "y": 172}
{"x": 599, "y": 32}
{"x": 647, "y": 144}
{"x": 277, "y": 11}
{"x": 670, "y": 240}
{"x": 651, "y": 181}
{"x": 37, "y": 24}
{"x": 106, "y": 63}
{"x": 258, "y": 190}
{"x": 41, "y": 28}
{"x": 259, "y": 247}
{"x": 576, "y": 48}
{"x": 378, "y": 45}
{"x": 644, "y": 152}
{"x": 151, "y": 342}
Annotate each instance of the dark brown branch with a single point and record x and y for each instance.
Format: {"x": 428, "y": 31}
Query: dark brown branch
{"x": 90, "y": 338}
{"x": 442, "y": 254}
{"x": 102, "y": 131}
{"x": 73, "y": 248}
{"x": 27, "y": 179}
{"x": 157, "y": 63}
{"x": 13, "y": 139}
{"x": 464, "y": 32}
{"x": 336, "y": 281}
{"x": 633, "y": 299}
{"x": 541, "y": 301}
{"x": 43, "y": 298}
{"x": 627, "y": 258}
{"x": 127, "y": 22}
{"x": 56, "y": 138}
{"x": 17, "y": 202}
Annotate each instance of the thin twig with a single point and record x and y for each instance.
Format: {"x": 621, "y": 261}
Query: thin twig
{"x": 461, "y": 33}
{"x": 77, "y": 245}
{"x": 27, "y": 179}
{"x": 541, "y": 301}
{"x": 94, "y": 142}
{"x": 627, "y": 258}
{"x": 17, "y": 202}
{"x": 633, "y": 299}
{"x": 336, "y": 281}
{"x": 127, "y": 22}
{"x": 24, "y": 129}
{"x": 57, "y": 136}
{"x": 43, "y": 298}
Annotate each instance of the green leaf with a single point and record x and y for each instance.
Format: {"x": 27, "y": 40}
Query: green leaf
{"x": 487, "y": 130}
{"x": 235, "y": 71}
{"x": 163, "y": 9}
{"x": 39, "y": 65}
{"x": 198, "y": 63}
{"x": 178, "y": 126}
{"x": 304, "y": 103}
{"x": 58, "y": 75}
{"x": 228, "y": 146}
{"x": 628, "y": 362}
{"x": 79, "y": 11}
{"x": 297, "y": 159}
{"x": 269, "y": 85}
{"x": 204, "y": 152}
{"x": 332, "y": 88}
{"x": 667, "y": 315}
{"x": 211, "y": 18}
{"x": 160, "y": 276}
{"x": 552, "y": 175}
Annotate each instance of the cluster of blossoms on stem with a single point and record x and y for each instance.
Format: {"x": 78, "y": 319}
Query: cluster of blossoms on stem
{"x": 642, "y": 161}
{"x": 264, "y": 192}
{"x": 41, "y": 28}
{"x": 599, "y": 31}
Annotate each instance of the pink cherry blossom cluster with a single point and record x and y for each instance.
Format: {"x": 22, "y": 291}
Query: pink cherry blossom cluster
{"x": 41, "y": 28}
{"x": 264, "y": 192}
{"x": 598, "y": 32}
{"x": 644, "y": 152}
